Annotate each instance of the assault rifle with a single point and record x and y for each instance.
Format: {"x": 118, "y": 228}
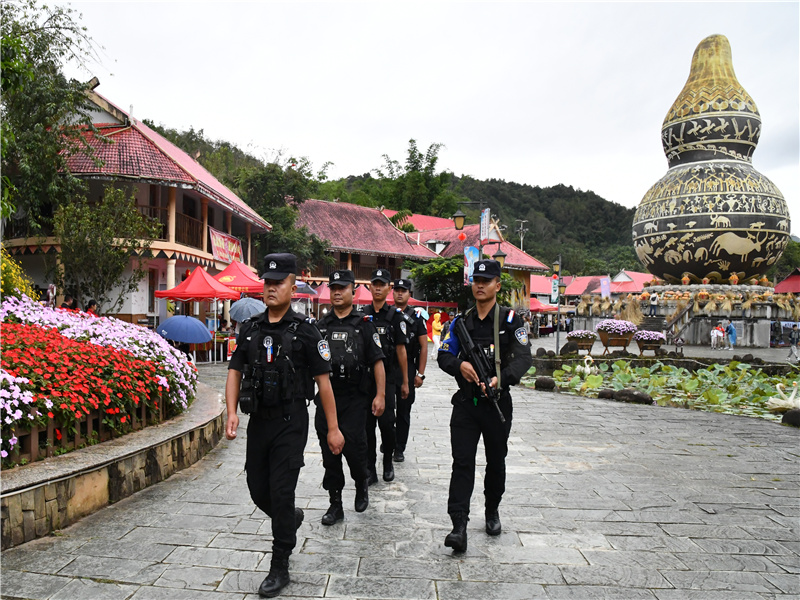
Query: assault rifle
{"x": 479, "y": 362}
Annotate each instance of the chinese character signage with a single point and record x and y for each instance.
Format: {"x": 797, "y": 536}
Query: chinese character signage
{"x": 224, "y": 247}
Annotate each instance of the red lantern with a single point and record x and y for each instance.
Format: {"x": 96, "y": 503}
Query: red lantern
{"x": 462, "y": 236}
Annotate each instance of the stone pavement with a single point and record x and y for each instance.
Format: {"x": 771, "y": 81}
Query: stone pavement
{"x": 604, "y": 500}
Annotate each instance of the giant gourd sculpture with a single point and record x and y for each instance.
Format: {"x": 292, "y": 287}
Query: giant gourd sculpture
{"x": 712, "y": 214}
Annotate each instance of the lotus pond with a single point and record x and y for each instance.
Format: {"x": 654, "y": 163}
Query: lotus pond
{"x": 735, "y": 388}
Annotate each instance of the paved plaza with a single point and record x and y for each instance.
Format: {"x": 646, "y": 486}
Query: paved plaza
{"x": 604, "y": 500}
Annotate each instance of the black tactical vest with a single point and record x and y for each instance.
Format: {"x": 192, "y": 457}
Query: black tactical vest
{"x": 348, "y": 356}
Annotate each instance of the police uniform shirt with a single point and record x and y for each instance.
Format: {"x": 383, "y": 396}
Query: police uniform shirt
{"x": 389, "y": 321}
{"x": 310, "y": 353}
{"x": 370, "y": 342}
{"x": 515, "y": 353}
{"x": 417, "y": 329}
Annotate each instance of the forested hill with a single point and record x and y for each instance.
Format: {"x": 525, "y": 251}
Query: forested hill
{"x": 581, "y": 225}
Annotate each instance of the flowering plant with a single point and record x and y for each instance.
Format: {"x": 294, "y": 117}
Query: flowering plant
{"x": 649, "y": 336}
{"x": 618, "y": 326}
{"x": 581, "y": 334}
{"x": 60, "y": 365}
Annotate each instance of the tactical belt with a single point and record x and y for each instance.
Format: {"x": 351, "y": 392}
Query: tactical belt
{"x": 273, "y": 412}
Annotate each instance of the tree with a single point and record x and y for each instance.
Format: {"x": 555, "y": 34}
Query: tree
{"x": 104, "y": 247}
{"x": 275, "y": 190}
{"x": 13, "y": 281}
{"x": 443, "y": 279}
{"x": 44, "y": 114}
{"x": 786, "y": 264}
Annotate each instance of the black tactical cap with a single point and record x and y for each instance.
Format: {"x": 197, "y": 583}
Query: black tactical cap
{"x": 402, "y": 283}
{"x": 380, "y": 275}
{"x": 488, "y": 269}
{"x": 279, "y": 266}
{"x": 341, "y": 277}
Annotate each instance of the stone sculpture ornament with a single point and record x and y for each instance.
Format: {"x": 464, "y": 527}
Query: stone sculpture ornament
{"x": 712, "y": 216}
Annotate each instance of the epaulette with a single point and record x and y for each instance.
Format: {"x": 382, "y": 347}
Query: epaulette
{"x": 311, "y": 320}
{"x": 368, "y": 318}
{"x": 510, "y": 316}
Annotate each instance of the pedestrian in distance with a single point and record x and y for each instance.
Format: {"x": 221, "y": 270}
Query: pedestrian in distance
{"x": 417, "y": 357}
{"x": 794, "y": 341}
{"x": 500, "y": 335}
{"x": 393, "y": 327}
{"x": 359, "y": 385}
{"x": 653, "y": 304}
{"x": 436, "y": 333}
{"x": 730, "y": 335}
{"x": 271, "y": 375}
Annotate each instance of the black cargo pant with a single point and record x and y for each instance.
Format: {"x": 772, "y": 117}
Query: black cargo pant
{"x": 403, "y": 421}
{"x": 386, "y": 423}
{"x": 351, "y": 411}
{"x": 274, "y": 458}
{"x": 468, "y": 423}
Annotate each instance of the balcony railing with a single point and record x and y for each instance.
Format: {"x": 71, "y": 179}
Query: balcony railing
{"x": 159, "y": 214}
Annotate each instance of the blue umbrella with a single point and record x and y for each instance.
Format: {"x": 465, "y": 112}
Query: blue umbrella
{"x": 304, "y": 288}
{"x": 243, "y": 309}
{"x": 186, "y": 330}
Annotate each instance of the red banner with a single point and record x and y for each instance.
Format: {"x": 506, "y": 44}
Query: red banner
{"x": 224, "y": 247}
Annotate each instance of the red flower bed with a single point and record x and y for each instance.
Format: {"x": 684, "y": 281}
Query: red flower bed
{"x": 69, "y": 378}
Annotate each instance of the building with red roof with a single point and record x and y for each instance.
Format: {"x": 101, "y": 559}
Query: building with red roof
{"x": 790, "y": 285}
{"x": 202, "y": 221}
{"x": 626, "y": 282}
{"x": 360, "y": 238}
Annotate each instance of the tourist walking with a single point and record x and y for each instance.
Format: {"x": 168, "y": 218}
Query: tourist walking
{"x": 436, "y": 333}
{"x": 474, "y": 415}
{"x": 359, "y": 385}
{"x": 279, "y": 356}
{"x": 653, "y": 304}
{"x": 730, "y": 336}
{"x": 794, "y": 341}
{"x": 417, "y": 357}
{"x": 392, "y": 328}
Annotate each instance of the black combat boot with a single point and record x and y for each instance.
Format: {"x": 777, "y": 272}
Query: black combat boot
{"x": 278, "y": 577}
{"x": 493, "y": 526}
{"x": 299, "y": 515}
{"x": 335, "y": 510}
{"x": 388, "y": 468}
{"x": 373, "y": 475}
{"x": 362, "y": 495}
{"x": 399, "y": 456}
{"x": 457, "y": 539}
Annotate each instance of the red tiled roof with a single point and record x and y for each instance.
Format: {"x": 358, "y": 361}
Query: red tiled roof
{"x": 515, "y": 258}
{"x": 541, "y": 284}
{"x": 423, "y": 222}
{"x": 359, "y": 229}
{"x": 581, "y": 285}
{"x": 790, "y": 285}
{"x": 137, "y": 152}
{"x": 634, "y": 286}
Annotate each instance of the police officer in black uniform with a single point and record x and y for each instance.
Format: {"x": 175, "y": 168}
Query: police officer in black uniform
{"x": 387, "y": 321}
{"x": 359, "y": 384}
{"x": 473, "y": 414}
{"x": 417, "y": 356}
{"x": 271, "y": 375}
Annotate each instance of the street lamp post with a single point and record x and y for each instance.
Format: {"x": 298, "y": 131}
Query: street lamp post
{"x": 459, "y": 220}
{"x": 557, "y": 273}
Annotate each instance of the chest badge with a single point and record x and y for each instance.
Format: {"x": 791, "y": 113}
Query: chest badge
{"x": 324, "y": 350}
{"x": 268, "y": 344}
{"x": 339, "y": 336}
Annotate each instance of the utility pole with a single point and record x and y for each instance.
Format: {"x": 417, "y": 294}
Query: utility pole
{"x": 521, "y": 230}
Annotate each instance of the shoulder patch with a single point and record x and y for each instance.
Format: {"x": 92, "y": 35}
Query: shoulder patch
{"x": 324, "y": 350}
{"x": 377, "y": 339}
{"x": 522, "y": 336}
{"x": 403, "y": 327}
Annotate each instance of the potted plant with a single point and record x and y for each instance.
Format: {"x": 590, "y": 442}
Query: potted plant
{"x": 615, "y": 332}
{"x": 649, "y": 340}
{"x": 584, "y": 338}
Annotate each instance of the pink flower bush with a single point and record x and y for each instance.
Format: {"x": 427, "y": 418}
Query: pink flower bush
{"x": 617, "y": 326}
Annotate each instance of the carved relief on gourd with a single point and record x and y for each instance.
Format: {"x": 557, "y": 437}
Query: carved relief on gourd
{"x": 712, "y": 214}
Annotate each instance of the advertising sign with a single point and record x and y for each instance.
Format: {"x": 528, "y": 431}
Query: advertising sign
{"x": 554, "y": 291}
{"x": 471, "y": 254}
{"x": 224, "y": 247}
{"x": 605, "y": 287}
{"x": 485, "y": 218}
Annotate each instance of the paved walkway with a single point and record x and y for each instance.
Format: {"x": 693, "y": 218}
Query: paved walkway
{"x": 604, "y": 500}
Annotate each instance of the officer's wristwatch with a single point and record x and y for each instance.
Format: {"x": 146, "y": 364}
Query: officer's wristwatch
{"x": 421, "y": 376}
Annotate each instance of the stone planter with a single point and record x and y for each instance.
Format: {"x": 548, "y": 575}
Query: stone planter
{"x": 648, "y": 346}
{"x": 611, "y": 340}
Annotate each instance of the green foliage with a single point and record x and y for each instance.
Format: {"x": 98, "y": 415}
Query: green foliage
{"x": 14, "y": 281}
{"x": 736, "y": 388}
{"x": 98, "y": 241}
{"x": 37, "y": 100}
{"x": 414, "y": 186}
{"x": 443, "y": 279}
{"x": 786, "y": 264}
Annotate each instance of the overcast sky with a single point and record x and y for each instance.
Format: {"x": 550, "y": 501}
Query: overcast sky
{"x": 537, "y": 93}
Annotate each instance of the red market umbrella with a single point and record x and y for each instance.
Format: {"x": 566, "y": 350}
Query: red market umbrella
{"x": 199, "y": 285}
{"x": 240, "y": 278}
{"x": 537, "y": 306}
